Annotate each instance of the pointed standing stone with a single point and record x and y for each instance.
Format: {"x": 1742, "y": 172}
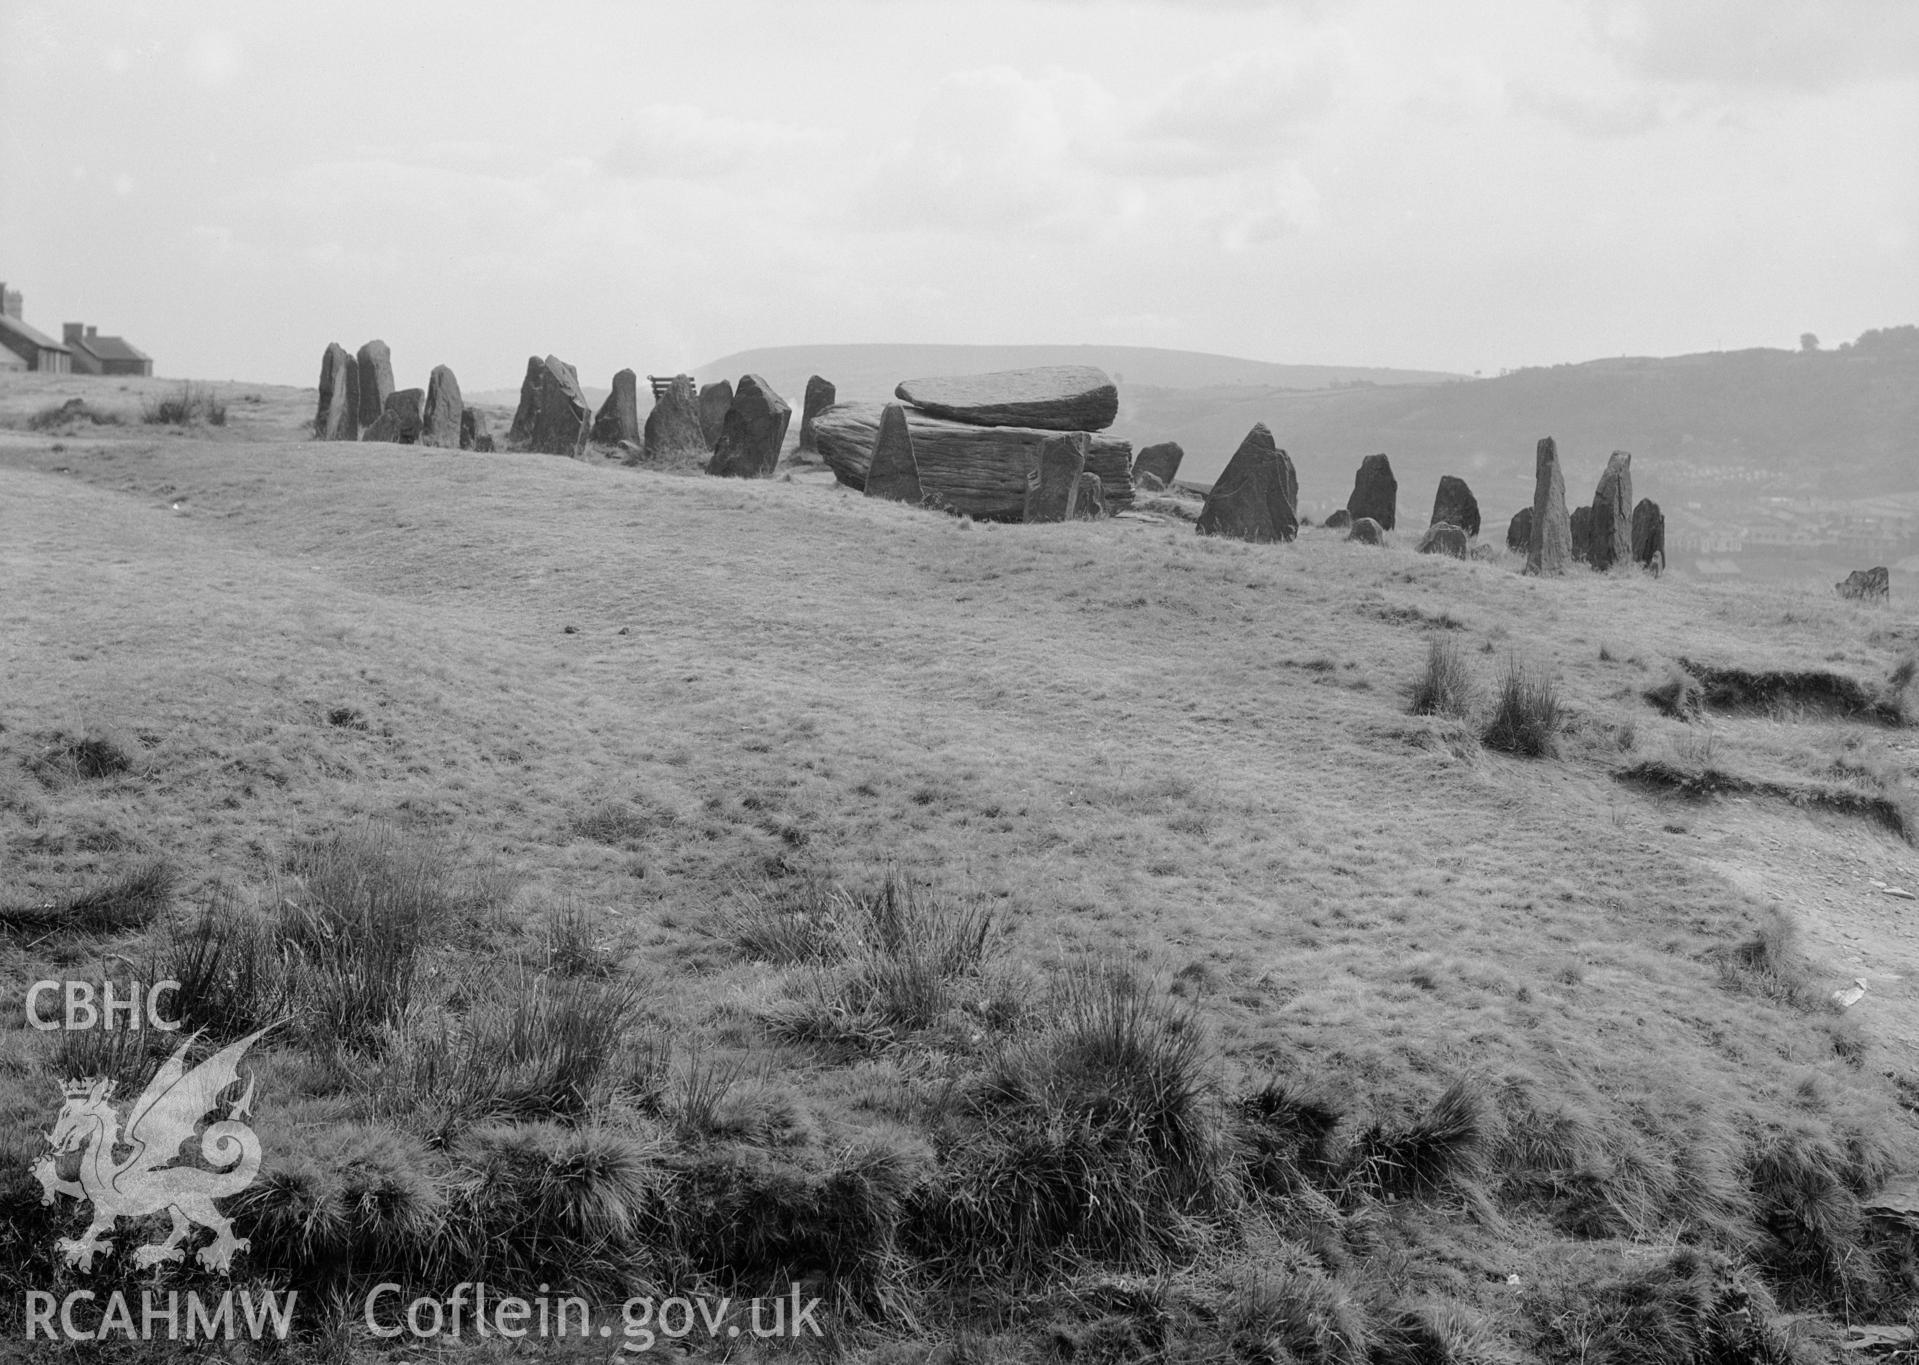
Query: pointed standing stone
{"x": 619, "y": 416}
{"x": 1612, "y": 513}
{"x": 893, "y": 473}
{"x": 1549, "y": 548}
{"x": 673, "y": 432}
{"x": 1648, "y": 535}
{"x": 715, "y": 399}
{"x": 445, "y": 415}
{"x": 754, "y": 430}
{"x": 1455, "y": 505}
{"x": 553, "y": 416}
{"x": 375, "y": 365}
{"x": 338, "y": 417}
{"x": 1375, "y": 492}
{"x": 1256, "y": 496}
{"x": 1053, "y": 468}
{"x": 820, "y": 395}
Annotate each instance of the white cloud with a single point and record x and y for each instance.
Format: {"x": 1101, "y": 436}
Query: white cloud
{"x": 1621, "y": 114}
{"x": 1779, "y": 44}
{"x": 1242, "y": 110}
{"x": 214, "y": 57}
{"x": 683, "y": 142}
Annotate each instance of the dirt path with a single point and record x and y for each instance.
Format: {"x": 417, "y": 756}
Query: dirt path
{"x": 1835, "y": 877}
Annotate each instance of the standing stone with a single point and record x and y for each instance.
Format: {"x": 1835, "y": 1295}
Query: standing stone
{"x": 1089, "y": 501}
{"x": 1375, "y": 492}
{"x": 820, "y": 395}
{"x": 1367, "y": 532}
{"x": 1339, "y": 519}
{"x": 553, "y": 417}
{"x": 1648, "y": 535}
{"x": 1549, "y": 546}
{"x": 375, "y": 364}
{"x": 715, "y": 399}
{"x": 619, "y": 416}
{"x": 1612, "y": 513}
{"x": 1455, "y": 505}
{"x": 1050, "y": 397}
{"x": 1161, "y": 461}
{"x": 893, "y": 473}
{"x": 1867, "y": 585}
{"x": 1256, "y": 496}
{"x": 673, "y": 433}
{"x": 401, "y": 420}
{"x": 475, "y": 432}
{"x": 1053, "y": 468}
{"x": 338, "y": 418}
{"x": 444, "y": 421}
{"x": 1581, "y": 526}
{"x": 1443, "y": 539}
{"x": 753, "y": 432}
{"x": 1519, "y": 531}
{"x": 528, "y": 410}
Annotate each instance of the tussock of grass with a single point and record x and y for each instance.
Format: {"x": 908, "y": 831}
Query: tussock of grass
{"x": 71, "y": 413}
{"x": 748, "y": 1216}
{"x": 193, "y": 405}
{"x": 1445, "y": 687}
{"x": 620, "y": 824}
{"x": 576, "y": 941}
{"x": 341, "y": 953}
{"x": 233, "y": 977}
{"x": 1772, "y": 964}
{"x": 545, "y": 1203}
{"x": 343, "y": 1196}
{"x": 1697, "y": 1306}
{"x": 114, "y": 905}
{"x": 1097, "y": 1137}
{"x": 1444, "y": 1147}
{"x": 543, "y": 1047}
{"x": 888, "y": 963}
{"x": 1526, "y": 713}
{"x": 82, "y": 758}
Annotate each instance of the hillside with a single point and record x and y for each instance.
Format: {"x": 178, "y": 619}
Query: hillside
{"x": 1727, "y": 433}
{"x": 1058, "y": 940}
{"x": 868, "y": 373}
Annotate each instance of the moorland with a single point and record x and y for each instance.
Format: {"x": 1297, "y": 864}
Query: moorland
{"x": 1087, "y": 941}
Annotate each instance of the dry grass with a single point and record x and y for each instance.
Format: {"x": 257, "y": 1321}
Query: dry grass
{"x": 1080, "y": 729}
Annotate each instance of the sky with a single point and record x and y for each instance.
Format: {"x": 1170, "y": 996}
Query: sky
{"x": 1453, "y": 186}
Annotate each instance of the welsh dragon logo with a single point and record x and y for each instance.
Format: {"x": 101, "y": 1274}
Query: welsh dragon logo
{"x": 145, "y": 1181}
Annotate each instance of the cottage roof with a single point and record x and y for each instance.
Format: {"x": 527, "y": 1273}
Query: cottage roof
{"x": 111, "y": 348}
{"x": 19, "y": 331}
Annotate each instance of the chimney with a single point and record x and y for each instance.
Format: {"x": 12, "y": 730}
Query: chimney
{"x": 92, "y": 332}
{"x": 10, "y": 301}
{"x": 71, "y": 332}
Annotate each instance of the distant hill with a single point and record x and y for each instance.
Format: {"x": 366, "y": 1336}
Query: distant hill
{"x": 1729, "y": 426}
{"x": 870, "y": 372}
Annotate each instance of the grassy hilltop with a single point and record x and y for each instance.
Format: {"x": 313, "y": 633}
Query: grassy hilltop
{"x": 1064, "y": 942}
